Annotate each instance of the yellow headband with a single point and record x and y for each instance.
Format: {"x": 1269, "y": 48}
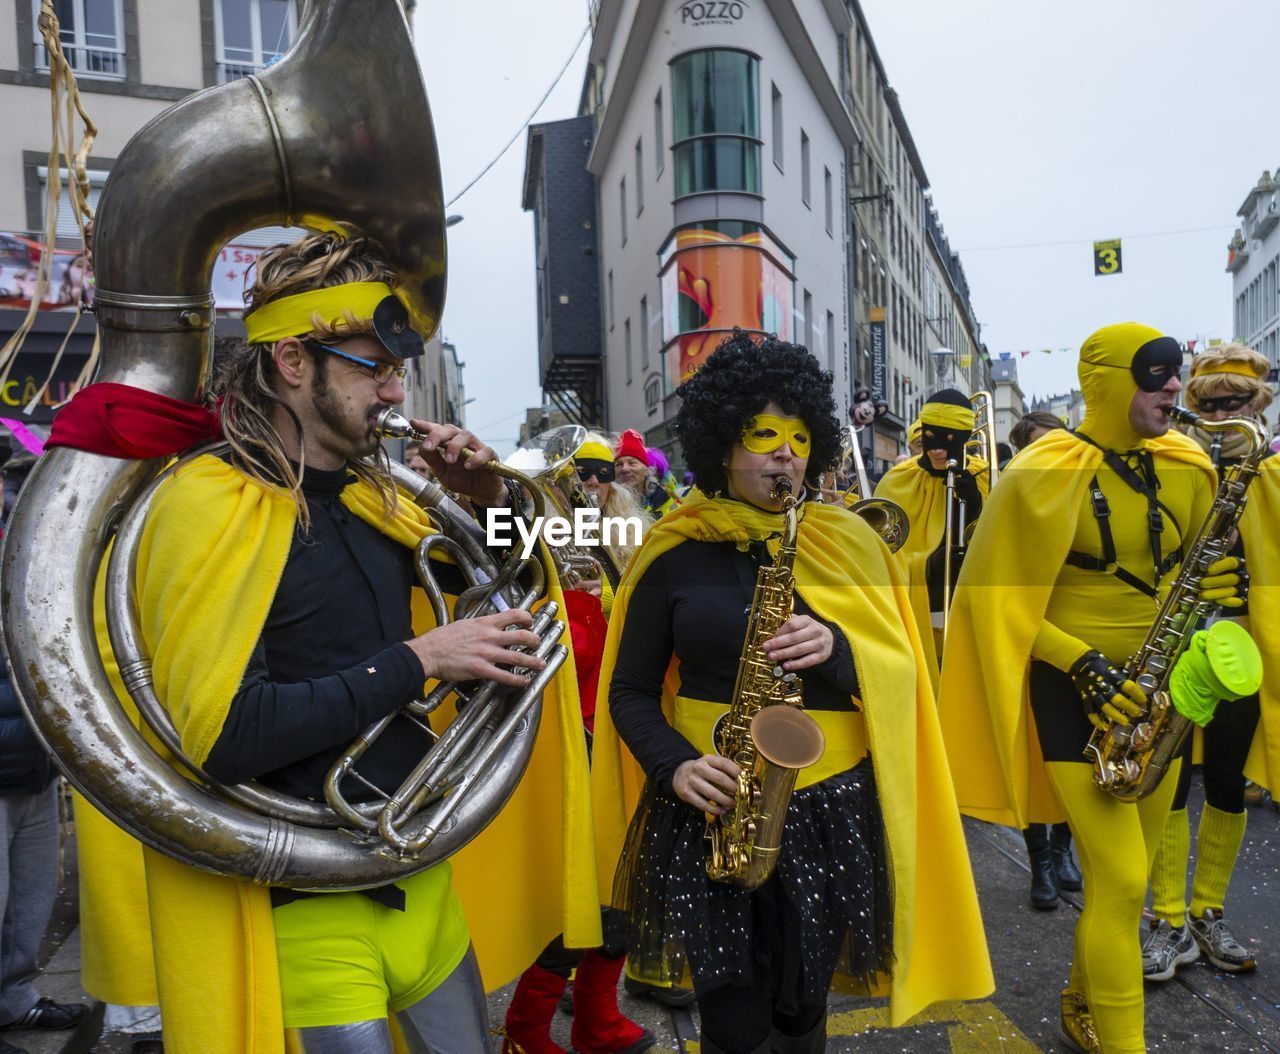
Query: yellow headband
{"x": 1241, "y": 369}
{"x": 595, "y": 451}
{"x": 766, "y": 433}
{"x": 945, "y": 415}
{"x": 292, "y": 316}
{"x": 913, "y": 432}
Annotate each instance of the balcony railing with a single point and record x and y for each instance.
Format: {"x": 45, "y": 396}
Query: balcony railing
{"x": 106, "y": 63}
{"x": 234, "y": 71}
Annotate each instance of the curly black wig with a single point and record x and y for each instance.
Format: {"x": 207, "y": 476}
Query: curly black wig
{"x": 743, "y": 375}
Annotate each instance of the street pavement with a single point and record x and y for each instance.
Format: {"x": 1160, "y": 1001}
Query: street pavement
{"x": 1201, "y": 1010}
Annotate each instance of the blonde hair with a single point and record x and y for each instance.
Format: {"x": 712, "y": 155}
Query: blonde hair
{"x": 620, "y": 501}
{"x": 245, "y": 379}
{"x": 1206, "y": 379}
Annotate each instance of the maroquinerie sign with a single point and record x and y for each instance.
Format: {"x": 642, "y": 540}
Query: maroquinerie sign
{"x": 712, "y": 12}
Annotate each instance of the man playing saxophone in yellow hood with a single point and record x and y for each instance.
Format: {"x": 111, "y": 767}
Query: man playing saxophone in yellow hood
{"x": 1060, "y": 585}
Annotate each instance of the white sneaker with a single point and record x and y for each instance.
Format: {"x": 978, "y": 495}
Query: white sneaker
{"x": 1164, "y": 949}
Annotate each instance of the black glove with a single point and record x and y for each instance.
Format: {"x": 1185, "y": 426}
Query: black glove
{"x": 934, "y": 573}
{"x": 1107, "y": 696}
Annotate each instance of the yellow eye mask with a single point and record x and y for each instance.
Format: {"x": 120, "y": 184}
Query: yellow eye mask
{"x": 765, "y": 433}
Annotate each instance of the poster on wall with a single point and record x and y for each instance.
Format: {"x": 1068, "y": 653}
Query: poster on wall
{"x": 71, "y": 280}
{"x": 715, "y": 277}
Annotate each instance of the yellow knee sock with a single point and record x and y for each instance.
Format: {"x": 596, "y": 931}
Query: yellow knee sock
{"x": 1169, "y": 873}
{"x": 1217, "y": 845}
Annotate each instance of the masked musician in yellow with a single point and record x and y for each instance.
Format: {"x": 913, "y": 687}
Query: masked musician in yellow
{"x": 920, "y": 487}
{"x": 872, "y": 865}
{"x": 1059, "y": 587}
{"x": 1228, "y": 381}
{"x": 274, "y": 595}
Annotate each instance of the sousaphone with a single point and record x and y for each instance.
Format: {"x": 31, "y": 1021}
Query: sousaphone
{"x": 338, "y": 131}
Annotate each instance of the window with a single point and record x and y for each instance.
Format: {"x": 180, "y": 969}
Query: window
{"x": 644, "y": 332}
{"x": 715, "y": 122}
{"x": 92, "y": 34}
{"x": 809, "y": 330}
{"x": 804, "y": 167}
{"x": 622, "y": 207}
{"x": 777, "y": 127}
{"x": 659, "y": 160}
{"x": 67, "y": 227}
{"x": 639, "y": 176}
{"x": 611, "y": 314}
{"x": 831, "y": 341}
{"x": 250, "y": 35}
{"x": 626, "y": 347}
{"x": 826, "y": 195}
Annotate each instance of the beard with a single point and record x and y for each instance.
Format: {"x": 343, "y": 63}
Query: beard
{"x": 358, "y": 436}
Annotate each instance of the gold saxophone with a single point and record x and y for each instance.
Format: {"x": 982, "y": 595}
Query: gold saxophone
{"x": 766, "y": 731}
{"x": 1129, "y": 761}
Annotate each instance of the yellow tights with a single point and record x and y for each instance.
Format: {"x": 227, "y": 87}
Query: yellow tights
{"x": 1116, "y": 843}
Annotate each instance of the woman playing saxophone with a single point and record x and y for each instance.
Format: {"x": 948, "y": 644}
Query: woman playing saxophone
{"x": 761, "y": 413}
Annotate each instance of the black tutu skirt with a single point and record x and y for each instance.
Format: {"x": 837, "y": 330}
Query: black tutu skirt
{"x": 827, "y": 906}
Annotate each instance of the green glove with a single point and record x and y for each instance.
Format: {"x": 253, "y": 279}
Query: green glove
{"x": 1220, "y": 663}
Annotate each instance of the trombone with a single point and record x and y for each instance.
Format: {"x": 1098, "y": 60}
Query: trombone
{"x": 887, "y": 518}
{"x": 982, "y": 445}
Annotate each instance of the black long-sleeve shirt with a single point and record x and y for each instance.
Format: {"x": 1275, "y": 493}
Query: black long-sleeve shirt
{"x": 331, "y": 659}
{"x": 694, "y": 601}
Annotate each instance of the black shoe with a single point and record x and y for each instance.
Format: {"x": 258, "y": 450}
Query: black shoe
{"x": 566, "y": 1000}
{"x": 51, "y": 1016}
{"x": 1044, "y": 883}
{"x": 1064, "y": 860}
{"x": 672, "y": 996}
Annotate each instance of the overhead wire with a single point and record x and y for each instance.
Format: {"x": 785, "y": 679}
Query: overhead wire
{"x": 1089, "y": 241}
{"x": 528, "y": 121}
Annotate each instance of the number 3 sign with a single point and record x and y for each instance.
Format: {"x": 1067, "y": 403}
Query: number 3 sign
{"x": 1106, "y": 257}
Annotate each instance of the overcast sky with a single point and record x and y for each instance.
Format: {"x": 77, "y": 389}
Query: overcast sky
{"x": 1036, "y": 124}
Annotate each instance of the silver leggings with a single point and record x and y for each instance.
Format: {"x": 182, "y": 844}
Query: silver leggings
{"x": 451, "y": 1019}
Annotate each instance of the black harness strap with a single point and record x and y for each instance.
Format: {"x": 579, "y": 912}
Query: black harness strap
{"x": 1144, "y": 481}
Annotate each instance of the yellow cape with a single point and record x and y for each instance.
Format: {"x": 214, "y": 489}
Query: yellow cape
{"x": 1262, "y": 551}
{"x": 209, "y": 563}
{"x": 1019, "y": 547}
{"x": 848, "y": 578}
{"x": 923, "y": 498}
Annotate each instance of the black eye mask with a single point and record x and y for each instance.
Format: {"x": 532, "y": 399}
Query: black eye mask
{"x": 933, "y": 437}
{"x": 1155, "y": 362}
{"x": 598, "y": 467}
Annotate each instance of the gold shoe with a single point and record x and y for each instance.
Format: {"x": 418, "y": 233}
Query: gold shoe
{"x": 1077, "y": 1024}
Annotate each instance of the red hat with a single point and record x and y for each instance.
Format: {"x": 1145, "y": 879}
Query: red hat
{"x": 631, "y": 445}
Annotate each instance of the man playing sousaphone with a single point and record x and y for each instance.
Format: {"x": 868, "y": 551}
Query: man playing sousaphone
{"x": 274, "y": 593}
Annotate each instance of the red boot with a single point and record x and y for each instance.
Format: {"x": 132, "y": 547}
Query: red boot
{"x": 598, "y": 1024}
{"x": 530, "y": 1013}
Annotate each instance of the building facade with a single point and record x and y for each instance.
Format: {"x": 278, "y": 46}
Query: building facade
{"x": 1253, "y": 261}
{"x": 752, "y": 169}
{"x": 1006, "y": 394}
{"x": 719, "y": 161}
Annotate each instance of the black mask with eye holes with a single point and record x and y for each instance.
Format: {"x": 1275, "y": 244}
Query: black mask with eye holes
{"x": 1155, "y": 362}
{"x": 936, "y": 437}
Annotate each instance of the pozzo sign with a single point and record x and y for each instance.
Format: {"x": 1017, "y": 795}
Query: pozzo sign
{"x": 712, "y": 12}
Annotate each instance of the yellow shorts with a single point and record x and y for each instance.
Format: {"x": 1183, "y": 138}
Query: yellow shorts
{"x": 345, "y": 958}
